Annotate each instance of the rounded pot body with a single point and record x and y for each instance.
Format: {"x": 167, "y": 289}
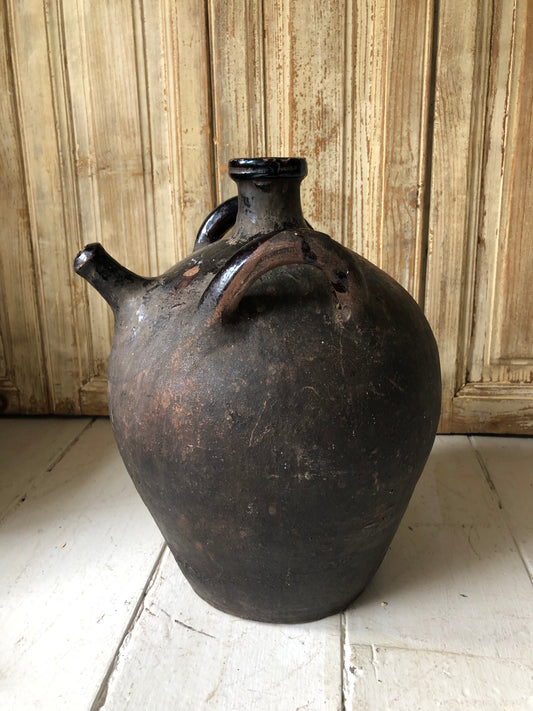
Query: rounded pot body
{"x": 274, "y": 397}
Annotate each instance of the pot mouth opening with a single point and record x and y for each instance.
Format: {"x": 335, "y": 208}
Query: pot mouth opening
{"x": 253, "y": 168}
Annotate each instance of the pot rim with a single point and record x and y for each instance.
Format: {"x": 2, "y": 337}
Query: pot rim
{"x": 268, "y": 167}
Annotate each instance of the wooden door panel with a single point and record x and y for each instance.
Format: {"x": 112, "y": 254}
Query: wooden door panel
{"x": 512, "y": 313}
{"x": 23, "y": 377}
{"x": 108, "y": 139}
{"x": 345, "y": 85}
{"x": 122, "y": 117}
{"x": 142, "y": 145}
{"x": 480, "y": 289}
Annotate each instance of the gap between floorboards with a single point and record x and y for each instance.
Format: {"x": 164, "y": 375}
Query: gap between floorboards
{"x": 101, "y": 695}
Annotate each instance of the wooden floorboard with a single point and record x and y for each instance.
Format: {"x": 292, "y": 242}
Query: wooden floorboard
{"x": 509, "y": 465}
{"x": 389, "y": 679}
{"x": 452, "y": 587}
{"x": 183, "y": 654}
{"x": 76, "y": 555}
{"x": 95, "y": 613}
{"x": 29, "y": 447}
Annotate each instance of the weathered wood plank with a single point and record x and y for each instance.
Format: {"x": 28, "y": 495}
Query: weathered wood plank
{"x": 453, "y": 580}
{"x": 29, "y": 447}
{"x": 40, "y": 90}
{"x": 388, "y": 71}
{"x": 123, "y": 137}
{"x": 492, "y": 196}
{"x": 142, "y": 146}
{"x": 109, "y": 165}
{"x": 237, "y": 83}
{"x": 494, "y": 408}
{"x": 350, "y": 95}
{"x": 425, "y": 680}
{"x": 456, "y": 144}
{"x": 502, "y": 331}
{"x": 184, "y": 654}
{"x": 513, "y": 317}
{"x": 76, "y": 555}
{"x": 509, "y": 465}
{"x": 173, "y": 60}
{"x": 23, "y": 381}
{"x": 305, "y": 59}
{"x": 478, "y": 282}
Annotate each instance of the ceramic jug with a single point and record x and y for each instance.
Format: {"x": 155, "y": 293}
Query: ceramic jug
{"x": 274, "y": 397}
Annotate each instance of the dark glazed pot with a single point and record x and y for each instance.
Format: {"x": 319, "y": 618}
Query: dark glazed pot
{"x": 274, "y": 397}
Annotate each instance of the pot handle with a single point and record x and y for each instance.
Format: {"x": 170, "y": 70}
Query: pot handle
{"x": 264, "y": 253}
{"x": 217, "y": 223}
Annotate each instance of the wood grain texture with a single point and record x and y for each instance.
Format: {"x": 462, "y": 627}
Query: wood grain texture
{"x": 493, "y": 408}
{"x": 237, "y": 85}
{"x": 455, "y": 542}
{"x": 478, "y": 257}
{"x": 184, "y": 654}
{"x": 23, "y": 376}
{"x": 173, "y": 60}
{"x": 122, "y": 118}
{"x": 108, "y": 140}
{"x": 41, "y": 88}
{"x": 514, "y": 318}
{"x": 142, "y": 144}
{"x": 457, "y": 136}
{"x": 508, "y": 465}
{"x": 76, "y": 555}
{"x": 503, "y": 330}
{"x": 346, "y": 86}
{"x": 108, "y": 151}
{"x": 491, "y": 191}
{"x": 388, "y": 69}
{"x": 450, "y": 552}
{"x": 305, "y": 85}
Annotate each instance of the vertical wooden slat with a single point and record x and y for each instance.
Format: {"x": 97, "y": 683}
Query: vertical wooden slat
{"x": 237, "y": 81}
{"x": 477, "y": 261}
{"x": 279, "y": 75}
{"x": 364, "y": 139}
{"x": 40, "y": 116}
{"x": 140, "y": 118}
{"x": 512, "y": 315}
{"x": 491, "y": 193}
{"x": 457, "y": 137}
{"x": 404, "y": 165}
{"x": 115, "y": 146}
{"x": 304, "y": 67}
{"x": 385, "y": 144}
{"x": 22, "y": 373}
{"x": 177, "y": 93}
{"x": 345, "y": 85}
{"x": 109, "y": 156}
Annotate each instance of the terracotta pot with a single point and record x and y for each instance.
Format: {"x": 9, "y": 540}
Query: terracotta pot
{"x": 274, "y": 397}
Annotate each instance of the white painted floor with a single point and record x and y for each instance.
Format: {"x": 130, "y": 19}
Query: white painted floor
{"x": 94, "y": 613}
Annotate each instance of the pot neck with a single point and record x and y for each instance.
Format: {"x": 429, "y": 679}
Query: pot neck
{"x": 268, "y": 195}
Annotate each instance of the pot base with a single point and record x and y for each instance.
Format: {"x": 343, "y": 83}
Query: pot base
{"x": 277, "y": 617}
{"x": 291, "y": 605}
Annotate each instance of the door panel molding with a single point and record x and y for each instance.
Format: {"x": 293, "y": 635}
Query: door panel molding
{"x": 475, "y": 238}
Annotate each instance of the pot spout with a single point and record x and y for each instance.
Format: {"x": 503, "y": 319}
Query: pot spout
{"x": 112, "y": 281}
